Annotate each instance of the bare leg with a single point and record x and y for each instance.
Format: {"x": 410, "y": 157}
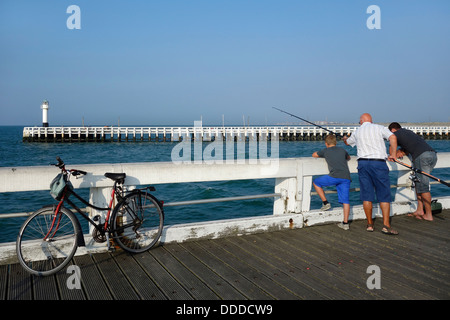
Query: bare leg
{"x": 320, "y": 192}
{"x": 419, "y": 210}
{"x": 426, "y": 200}
{"x": 367, "y": 205}
{"x": 386, "y": 211}
{"x": 346, "y": 211}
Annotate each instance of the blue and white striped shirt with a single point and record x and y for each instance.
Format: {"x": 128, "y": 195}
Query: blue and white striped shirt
{"x": 369, "y": 139}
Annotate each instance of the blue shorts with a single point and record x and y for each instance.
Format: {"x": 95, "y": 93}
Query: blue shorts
{"x": 374, "y": 179}
{"x": 342, "y": 186}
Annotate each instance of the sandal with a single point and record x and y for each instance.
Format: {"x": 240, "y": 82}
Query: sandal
{"x": 389, "y": 231}
{"x": 369, "y": 227}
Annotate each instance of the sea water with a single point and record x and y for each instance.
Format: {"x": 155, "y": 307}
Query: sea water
{"x": 14, "y": 152}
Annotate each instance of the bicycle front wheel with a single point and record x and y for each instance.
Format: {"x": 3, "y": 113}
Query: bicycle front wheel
{"x": 46, "y": 243}
{"x": 137, "y": 222}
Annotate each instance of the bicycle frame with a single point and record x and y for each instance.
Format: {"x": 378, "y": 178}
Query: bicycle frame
{"x": 109, "y": 208}
{"x": 102, "y": 228}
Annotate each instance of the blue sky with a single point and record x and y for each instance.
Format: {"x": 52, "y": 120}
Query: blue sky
{"x": 171, "y": 62}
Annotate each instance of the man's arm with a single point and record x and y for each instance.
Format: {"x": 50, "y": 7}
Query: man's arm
{"x": 344, "y": 138}
{"x": 401, "y": 153}
{"x": 392, "y": 148}
{"x": 349, "y": 141}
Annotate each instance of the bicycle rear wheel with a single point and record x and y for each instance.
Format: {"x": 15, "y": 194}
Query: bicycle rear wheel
{"x": 46, "y": 245}
{"x": 137, "y": 222}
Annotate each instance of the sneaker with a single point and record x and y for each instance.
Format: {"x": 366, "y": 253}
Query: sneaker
{"x": 326, "y": 207}
{"x": 344, "y": 226}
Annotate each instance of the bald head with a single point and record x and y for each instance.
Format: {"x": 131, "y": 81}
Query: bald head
{"x": 365, "y": 117}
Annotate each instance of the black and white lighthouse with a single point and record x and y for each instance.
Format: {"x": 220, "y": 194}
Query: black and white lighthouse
{"x": 44, "y": 108}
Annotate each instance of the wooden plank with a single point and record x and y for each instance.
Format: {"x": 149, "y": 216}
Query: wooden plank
{"x": 312, "y": 269}
{"x": 278, "y": 271}
{"x": 214, "y": 282}
{"x": 116, "y": 281}
{"x": 138, "y": 278}
{"x": 409, "y": 254}
{"x": 368, "y": 256}
{"x": 400, "y": 281}
{"x": 348, "y": 268}
{"x": 4, "y": 272}
{"x": 93, "y": 284}
{"x": 247, "y": 288}
{"x": 222, "y": 249}
{"x": 369, "y": 250}
{"x": 19, "y": 284}
{"x": 67, "y": 282}
{"x": 45, "y": 288}
{"x": 165, "y": 282}
{"x": 316, "y": 272}
{"x": 185, "y": 277}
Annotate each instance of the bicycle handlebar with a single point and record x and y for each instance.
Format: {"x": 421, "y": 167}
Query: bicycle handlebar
{"x": 61, "y": 165}
{"x": 78, "y": 172}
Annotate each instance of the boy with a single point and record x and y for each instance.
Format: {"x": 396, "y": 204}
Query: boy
{"x": 339, "y": 176}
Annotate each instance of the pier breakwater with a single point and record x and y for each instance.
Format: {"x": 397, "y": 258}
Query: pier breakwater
{"x": 203, "y": 133}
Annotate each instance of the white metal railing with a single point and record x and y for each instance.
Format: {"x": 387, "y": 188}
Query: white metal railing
{"x": 293, "y": 176}
{"x": 292, "y": 191}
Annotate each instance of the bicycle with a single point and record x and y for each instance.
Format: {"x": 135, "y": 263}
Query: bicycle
{"x": 49, "y": 238}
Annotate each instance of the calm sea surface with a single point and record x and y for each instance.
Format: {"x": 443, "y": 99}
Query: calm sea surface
{"x": 14, "y": 152}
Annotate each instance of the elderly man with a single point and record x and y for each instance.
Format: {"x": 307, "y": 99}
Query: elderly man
{"x": 373, "y": 171}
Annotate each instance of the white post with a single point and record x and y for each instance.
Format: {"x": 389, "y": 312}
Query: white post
{"x": 99, "y": 197}
{"x": 406, "y": 193}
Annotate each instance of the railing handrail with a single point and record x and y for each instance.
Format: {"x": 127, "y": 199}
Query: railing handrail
{"x": 32, "y": 178}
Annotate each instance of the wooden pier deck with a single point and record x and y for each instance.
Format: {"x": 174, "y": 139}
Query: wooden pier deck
{"x": 320, "y": 262}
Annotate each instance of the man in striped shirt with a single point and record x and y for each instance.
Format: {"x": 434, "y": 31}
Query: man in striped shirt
{"x": 373, "y": 171}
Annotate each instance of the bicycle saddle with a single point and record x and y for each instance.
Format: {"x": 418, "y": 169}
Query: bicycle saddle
{"x": 115, "y": 176}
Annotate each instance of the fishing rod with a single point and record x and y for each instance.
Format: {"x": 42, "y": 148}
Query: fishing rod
{"x": 292, "y": 115}
{"x": 424, "y": 173}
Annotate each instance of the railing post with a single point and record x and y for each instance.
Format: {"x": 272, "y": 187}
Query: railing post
{"x": 407, "y": 193}
{"x": 282, "y": 185}
{"x": 295, "y": 192}
{"x": 99, "y": 197}
{"x": 303, "y": 189}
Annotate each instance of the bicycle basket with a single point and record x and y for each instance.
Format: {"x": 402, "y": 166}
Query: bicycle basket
{"x": 57, "y": 186}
